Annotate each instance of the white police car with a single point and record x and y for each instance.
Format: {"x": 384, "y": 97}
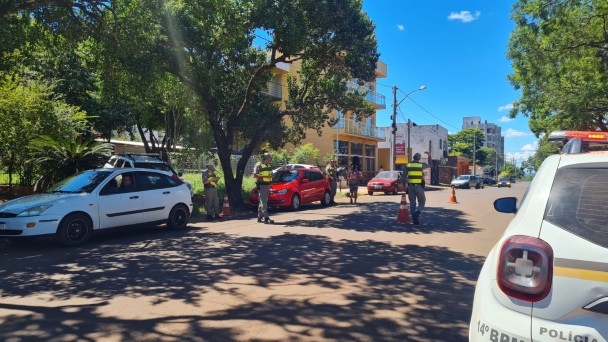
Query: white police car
{"x": 547, "y": 277}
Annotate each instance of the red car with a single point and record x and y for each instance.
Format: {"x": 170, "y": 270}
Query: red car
{"x": 385, "y": 181}
{"x": 292, "y": 188}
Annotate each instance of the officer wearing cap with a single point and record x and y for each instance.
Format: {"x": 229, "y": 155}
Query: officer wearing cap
{"x": 212, "y": 202}
{"x": 415, "y": 191}
{"x": 330, "y": 172}
{"x": 263, "y": 173}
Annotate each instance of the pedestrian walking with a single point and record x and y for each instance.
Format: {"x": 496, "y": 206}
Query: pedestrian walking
{"x": 212, "y": 202}
{"x": 332, "y": 177}
{"x": 262, "y": 172}
{"x": 354, "y": 175}
{"x": 415, "y": 191}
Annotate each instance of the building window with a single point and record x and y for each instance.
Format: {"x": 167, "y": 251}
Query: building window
{"x": 370, "y": 158}
{"x": 356, "y": 149}
{"x": 342, "y": 147}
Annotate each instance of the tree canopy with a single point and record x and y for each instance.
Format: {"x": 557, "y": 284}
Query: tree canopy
{"x": 559, "y": 53}
{"x": 195, "y": 71}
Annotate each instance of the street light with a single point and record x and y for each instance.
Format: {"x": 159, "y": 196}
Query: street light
{"x": 394, "y": 125}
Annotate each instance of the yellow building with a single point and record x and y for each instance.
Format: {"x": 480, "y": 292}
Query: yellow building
{"x": 358, "y": 139}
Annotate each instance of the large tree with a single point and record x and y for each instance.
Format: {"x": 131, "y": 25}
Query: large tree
{"x": 220, "y": 60}
{"x": 559, "y": 52}
{"x": 463, "y": 142}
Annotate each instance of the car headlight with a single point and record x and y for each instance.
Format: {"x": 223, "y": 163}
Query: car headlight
{"x": 34, "y": 211}
{"x": 282, "y": 192}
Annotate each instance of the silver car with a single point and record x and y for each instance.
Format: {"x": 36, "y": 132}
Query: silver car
{"x": 467, "y": 182}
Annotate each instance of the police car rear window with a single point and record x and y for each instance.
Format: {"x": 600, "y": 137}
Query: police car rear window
{"x": 579, "y": 203}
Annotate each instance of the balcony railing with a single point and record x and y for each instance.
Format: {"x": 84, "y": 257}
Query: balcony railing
{"x": 373, "y": 97}
{"x": 359, "y": 128}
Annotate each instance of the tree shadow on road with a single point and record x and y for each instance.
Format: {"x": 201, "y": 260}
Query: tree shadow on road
{"x": 387, "y": 292}
{"x": 382, "y": 217}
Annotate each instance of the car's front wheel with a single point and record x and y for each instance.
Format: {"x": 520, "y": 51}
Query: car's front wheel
{"x": 370, "y": 193}
{"x": 75, "y": 229}
{"x": 326, "y": 199}
{"x": 295, "y": 202}
{"x": 477, "y": 186}
{"x": 178, "y": 217}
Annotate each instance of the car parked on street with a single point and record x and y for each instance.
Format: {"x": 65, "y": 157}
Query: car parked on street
{"x": 467, "y": 182}
{"x": 293, "y": 188}
{"x": 504, "y": 182}
{"x": 546, "y": 279}
{"x": 73, "y": 209}
{"x": 385, "y": 181}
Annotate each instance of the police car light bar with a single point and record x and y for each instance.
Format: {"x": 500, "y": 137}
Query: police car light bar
{"x": 574, "y": 139}
{"x": 587, "y": 136}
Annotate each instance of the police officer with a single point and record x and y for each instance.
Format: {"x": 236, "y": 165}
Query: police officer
{"x": 212, "y": 202}
{"x": 263, "y": 173}
{"x": 415, "y": 191}
{"x": 330, "y": 171}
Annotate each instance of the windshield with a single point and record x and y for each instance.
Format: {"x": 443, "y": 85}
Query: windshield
{"x": 463, "y": 178}
{"x": 387, "y": 174}
{"x": 286, "y": 176}
{"x": 504, "y": 179}
{"x": 82, "y": 182}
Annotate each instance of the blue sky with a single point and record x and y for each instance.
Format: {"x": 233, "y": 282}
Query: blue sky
{"x": 457, "y": 49}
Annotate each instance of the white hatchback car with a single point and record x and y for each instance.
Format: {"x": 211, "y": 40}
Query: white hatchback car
{"x": 97, "y": 199}
{"x": 547, "y": 277}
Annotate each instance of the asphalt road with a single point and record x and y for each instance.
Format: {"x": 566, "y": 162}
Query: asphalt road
{"x": 346, "y": 272}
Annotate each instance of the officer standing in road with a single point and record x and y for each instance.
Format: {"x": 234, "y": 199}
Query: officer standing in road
{"x": 212, "y": 202}
{"x": 263, "y": 173}
{"x": 330, "y": 171}
{"x": 415, "y": 191}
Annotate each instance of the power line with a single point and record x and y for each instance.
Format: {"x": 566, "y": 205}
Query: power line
{"x": 431, "y": 114}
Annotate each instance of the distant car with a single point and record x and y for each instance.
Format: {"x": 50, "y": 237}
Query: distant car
{"x": 467, "y": 182}
{"x": 488, "y": 180}
{"x": 504, "y": 182}
{"x": 144, "y": 161}
{"x": 546, "y": 279}
{"x": 74, "y": 208}
{"x": 295, "y": 187}
{"x": 385, "y": 181}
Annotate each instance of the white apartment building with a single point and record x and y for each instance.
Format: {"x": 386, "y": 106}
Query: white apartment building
{"x": 492, "y": 134}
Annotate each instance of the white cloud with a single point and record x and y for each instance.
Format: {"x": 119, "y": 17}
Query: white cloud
{"x": 530, "y": 147}
{"x": 525, "y": 152}
{"x": 507, "y": 107}
{"x": 400, "y": 27}
{"x": 511, "y": 133}
{"x": 464, "y": 16}
{"x": 505, "y": 119}
{"x": 518, "y": 157}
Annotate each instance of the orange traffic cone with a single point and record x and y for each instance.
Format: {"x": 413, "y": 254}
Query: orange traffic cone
{"x": 404, "y": 212}
{"x": 226, "y": 211}
{"x": 453, "y": 197}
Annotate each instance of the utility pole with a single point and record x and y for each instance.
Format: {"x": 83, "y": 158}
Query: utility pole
{"x": 409, "y": 130}
{"x": 474, "y": 142}
{"x": 394, "y": 127}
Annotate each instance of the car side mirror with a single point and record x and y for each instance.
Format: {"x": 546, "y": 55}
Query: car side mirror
{"x": 305, "y": 180}
{"x": 180, "y": 173}
{"x": 506, "y": 205}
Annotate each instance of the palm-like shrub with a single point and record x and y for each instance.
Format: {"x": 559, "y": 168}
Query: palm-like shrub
{"x": 57, "y": 159}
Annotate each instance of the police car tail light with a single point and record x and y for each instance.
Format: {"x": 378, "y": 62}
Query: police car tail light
{"x": 525, "y": 270}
